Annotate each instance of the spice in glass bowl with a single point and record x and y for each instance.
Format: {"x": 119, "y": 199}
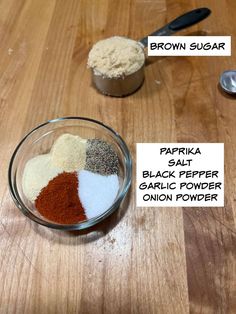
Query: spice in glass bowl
{"x": 97, "y": 192}
{"x": 59, "y": 200}
{"x": 101, "y": 157}
{"x": 75, "y": 181}
{"x": 69, "y": 152}
{"x": 37, "y": 174}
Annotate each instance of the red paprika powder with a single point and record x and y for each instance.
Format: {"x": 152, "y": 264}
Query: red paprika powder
{"x": 59, "y": 200}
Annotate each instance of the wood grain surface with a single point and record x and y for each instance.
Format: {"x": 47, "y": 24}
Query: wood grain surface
{"x": 140, "y": 260}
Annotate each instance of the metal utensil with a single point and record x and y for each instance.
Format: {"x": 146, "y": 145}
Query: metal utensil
{"x": 129, "y": 84}
{"x": 121, "y": 86}
{"x": 228, "y": 82}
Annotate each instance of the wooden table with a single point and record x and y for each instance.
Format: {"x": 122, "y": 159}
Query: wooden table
{"x": 140, "y": 260}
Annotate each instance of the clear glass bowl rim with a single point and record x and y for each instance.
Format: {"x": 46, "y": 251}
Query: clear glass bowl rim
{"x": 82, "y": 225}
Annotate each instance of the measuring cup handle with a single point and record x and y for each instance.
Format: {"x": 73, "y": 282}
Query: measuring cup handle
{"x": 188, "y": 19}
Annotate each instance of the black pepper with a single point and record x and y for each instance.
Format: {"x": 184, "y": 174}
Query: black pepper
{"x": 101, "y": 157}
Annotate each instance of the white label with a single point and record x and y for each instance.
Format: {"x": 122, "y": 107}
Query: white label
{"x": 189, "y": 45}
{"x": 185, "y": 175}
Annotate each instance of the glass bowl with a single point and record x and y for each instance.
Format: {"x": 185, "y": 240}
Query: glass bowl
{"x": 40, "y": 140}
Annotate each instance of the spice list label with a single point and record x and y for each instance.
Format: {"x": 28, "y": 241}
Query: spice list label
{"x": 185, "y": 175}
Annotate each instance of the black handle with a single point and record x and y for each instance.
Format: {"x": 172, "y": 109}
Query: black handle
{"x": 181, "y": 22}
{"x": 189, "y": 19}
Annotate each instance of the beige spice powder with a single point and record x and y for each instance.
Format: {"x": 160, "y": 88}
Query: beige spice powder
{"x": 69, "y": 152}
{"x": 116, "y": 56}
{"x": 37, "y": 173}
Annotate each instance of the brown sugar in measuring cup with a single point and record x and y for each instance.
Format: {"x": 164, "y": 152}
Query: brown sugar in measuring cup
{"x": 117, "y": 65}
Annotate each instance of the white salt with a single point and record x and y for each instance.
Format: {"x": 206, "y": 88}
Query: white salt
{"x": 97, "y": 192}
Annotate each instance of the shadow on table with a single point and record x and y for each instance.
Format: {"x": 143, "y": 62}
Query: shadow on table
{"x": 87, "y": 235}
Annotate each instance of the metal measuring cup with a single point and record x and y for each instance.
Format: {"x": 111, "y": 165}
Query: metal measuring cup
{"x": 128, "y": 84}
